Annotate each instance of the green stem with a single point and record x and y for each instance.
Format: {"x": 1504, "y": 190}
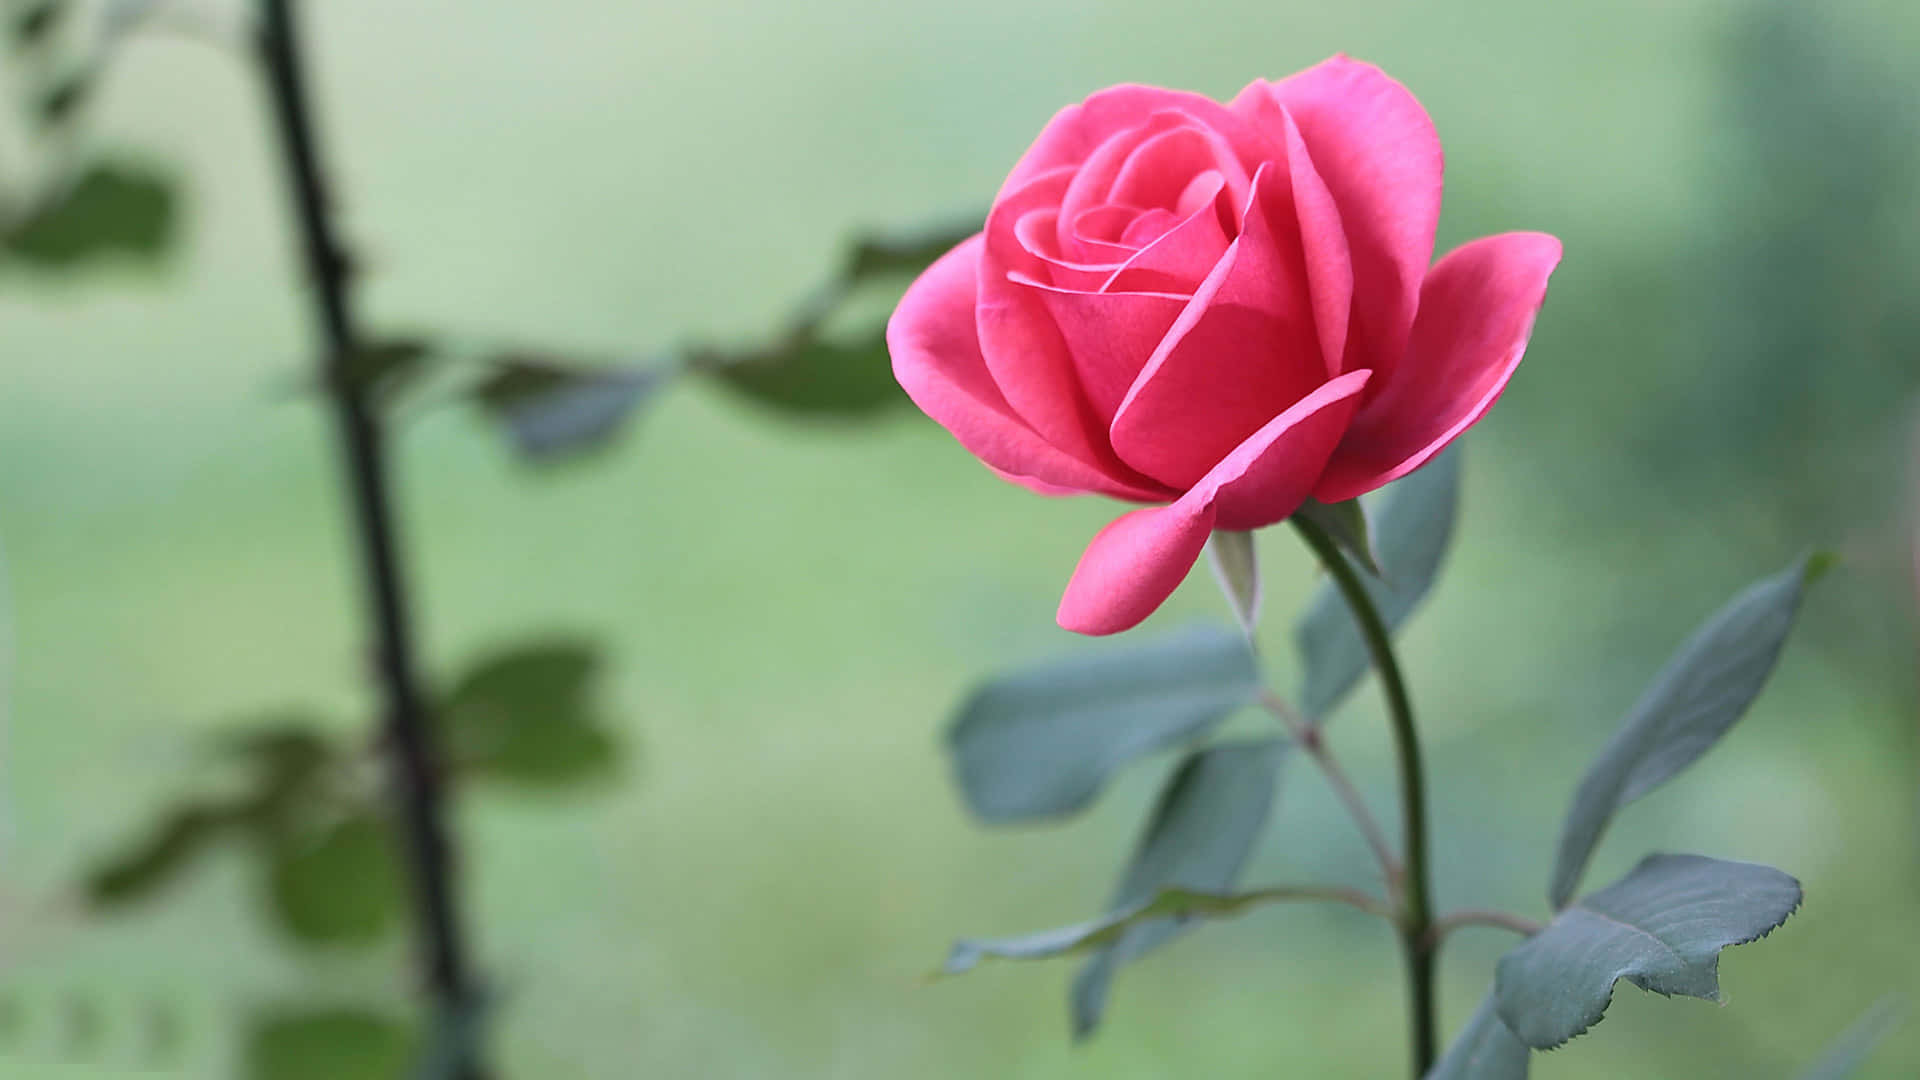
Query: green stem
{"x": 1416, "y": 911}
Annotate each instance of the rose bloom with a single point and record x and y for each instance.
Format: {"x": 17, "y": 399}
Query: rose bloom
{"x": 1220, "y": 310}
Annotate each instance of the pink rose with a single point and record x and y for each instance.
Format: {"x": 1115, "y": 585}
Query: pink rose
{"x": 1222, "y": 309}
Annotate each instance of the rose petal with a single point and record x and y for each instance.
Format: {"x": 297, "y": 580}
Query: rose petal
{"x": 1243, "y": 351}
{"x": 1023, "y": 349}
{"x": 1324, "y": 251}
{"x": 1136, "y": 562}
{"x": 1110, "y": 336}
{"x": 1182, "y": 256}
{"x": 937, "y": 360}
{"x": 1476, "y": 313}
{"x": 1376, "y": 148}
{"x": 1075, "y": 131}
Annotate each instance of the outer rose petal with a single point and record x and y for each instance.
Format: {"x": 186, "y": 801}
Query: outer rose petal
{"x": 1376, "y": 148}
{"x": 1136, "y": 562}
{"x": 936, "y": 358}
{"x": 1476, "y": 312}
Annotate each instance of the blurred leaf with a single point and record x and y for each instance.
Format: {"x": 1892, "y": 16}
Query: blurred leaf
{"x": 1411, "y": 530}
{"x": 1237, "y": 569}
{"x": 334, "y": 1044}
{"x": 1179, "y": 905}
{"x": 907, "y": 251}
{"x": 552, "y": 409}
{"x": 1042, "y": 742}
{"x": 37, "y": 22}
{"x": 1704, "y": 689}
{"x": 1347, "y": 523}
{"x": 158, "y": 858}
{"x": 813, "y": 377}
{"x": 1484, "y": 1050}
{"x": 65, "y": 96}
{"x": 1204, "y": 826}
{"x": 1855, "y": 1045}
{"x": 382, "y": 369}
{"x": 337, "y": 885}
{"x": 526, "y": 717}
{"x": 288, "y": 753}
{"x": 1661, "y": 927}
{"x": 111, "y": 210}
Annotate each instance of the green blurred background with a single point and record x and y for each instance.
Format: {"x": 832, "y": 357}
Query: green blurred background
{"x": 1723, "y": 376}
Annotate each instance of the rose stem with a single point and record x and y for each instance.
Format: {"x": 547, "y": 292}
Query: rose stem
{"x": 1416, "y": 913}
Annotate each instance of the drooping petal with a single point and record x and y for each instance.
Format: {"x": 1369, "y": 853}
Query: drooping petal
{"x": 1136, "y": 562}
{"x": 1476, "y": 313}
{"x": 1377, "y": 150}
{"x": 1243, "y": 351}
{"x": 936, "y": 358}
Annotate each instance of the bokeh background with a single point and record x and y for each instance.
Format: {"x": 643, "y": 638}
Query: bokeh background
{"x": 1724, "y": 375}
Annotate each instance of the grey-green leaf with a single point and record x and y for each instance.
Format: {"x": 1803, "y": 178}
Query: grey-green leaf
{"x": 1661, "y": 927}
{"x": 552, "y": 409}
{"x": 1042, "y": 742}
{"x": 1204, "y": 826}
{"x": 1704, "y": 689}
{"x": 1237, "y": 568}
{"x": 1347, "y": 523}
{"x": 1484, "y": 1049}
{"x": 1174, "y": 904}
{"x": 1856, "y": 1044}
{"x": 1412, "y": 527}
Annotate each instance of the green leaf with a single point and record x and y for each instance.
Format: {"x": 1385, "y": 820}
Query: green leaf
{"x": 337, "y": 885}
{"x": 158, "y": 858}
{"x": 382, "y": 369}
{"x": 526, "y": 716}
{"x": 1704, "y": 689}
{"x": 1855, "y": 1045}
{"x": 1211, "y": 812}
{"x": 907, "y": 251}
{"x": 112, "y": 209}
{"x": 37, "y": 22}
{"x": 1237, "y": 568}
{"x": 65, "y": 96}
{"x": 332, "y": 1044}
{"x": 813, "y": 377}
{"x": 551, "y": 409}
{"x": 1347, "y": 523}
{"x": 1484, "y": 1050}
{"x": 1661, "y": 927}
{"x": 1042, "y": 742}
{"x": 1179, "y": 905}
{"x": 1411, "y": 528}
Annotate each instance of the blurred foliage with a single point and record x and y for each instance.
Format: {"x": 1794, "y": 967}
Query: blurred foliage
{"x": 111, "y": 209}
{"x": 332, "y": 1044}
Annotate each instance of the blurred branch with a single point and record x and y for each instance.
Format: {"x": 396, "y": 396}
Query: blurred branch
{"x": 416, "y": 778}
